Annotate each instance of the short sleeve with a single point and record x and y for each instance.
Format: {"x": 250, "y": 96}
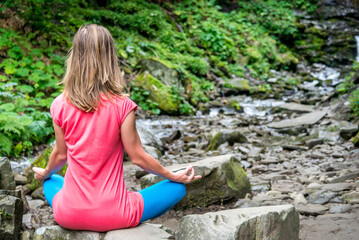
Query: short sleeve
{"x": 55, "y": 110}
{"x": 126, "y": 105}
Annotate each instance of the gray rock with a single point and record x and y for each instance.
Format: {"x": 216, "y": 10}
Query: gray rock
{"x": 306, "y": 119}
{"x": 311, "y": 209}
{"x": 347, "y": 130}
{"x": 246, "y": 203}
{"x": 337, "y": 187}
{"x": 38, "y": 193}
{"x": 226, "y": 136}
{"x": 294, "y": 148}
{"x": 7, "y": 180}
{"x": 340, "y": 208}
{"x": 321, "y": 197}
{"x": 26, "y": 221}
{"x": 26, "y": 235}
{"x": 35, "y": 203}
{"x": 300, "y": 199}
{"x": 11, "y": 216}
{"x": 144, "y": 231}
{"x": 154, "y": 152}
{"x": 288, "y": 165}
{"x": 59, "y": 233}
{"x": 20, "y": 179}
{"x": 295, "y": 107}
{"x": 350, "y": 176}
{"x": 313, "y": 142}
{"x": 352, "y": 198}
{"x": 273, "y": 222}
{"x": 223, "y": 178}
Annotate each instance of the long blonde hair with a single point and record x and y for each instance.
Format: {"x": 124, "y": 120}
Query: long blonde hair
{"x": 92, "y": 69}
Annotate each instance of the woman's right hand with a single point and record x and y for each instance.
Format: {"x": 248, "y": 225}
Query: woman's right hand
{"x": 183, "y": 176}
{"x": 40, "y": 173}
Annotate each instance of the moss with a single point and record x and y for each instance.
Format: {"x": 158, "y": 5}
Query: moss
{"x": 159, "y": 92}
{"x": 234, "y": 104}
{"x": 217, "y": 140}
{"x": 236, "y": 178}
{"x": 355, "y": 140}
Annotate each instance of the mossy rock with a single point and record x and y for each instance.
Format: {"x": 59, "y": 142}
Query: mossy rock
{"x": 235, "y": 105}
{"x": 355, "y": 140}
{"x": 41, "y": 161}
{"x": 240, "y": 85}
{"x": 223, "y": 178}
{"x": 160, "y": 69}
{"x": 226, "y": 136}
{"x": 159, "y": 92}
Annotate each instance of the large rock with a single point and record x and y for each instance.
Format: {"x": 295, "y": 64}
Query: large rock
{"x": 11, "y": 210}
{"x": 226, "y": 136}
{"x": 306, "y": 119}
{"x": 235, "y": 86}
{"x": 350, "y": 176}
{"x": 274, "y": 222}
{"x": 143, "y": 231}
{"x": 158, "y": 92}
{"x": 223, "y": 178}
{"x": 7, "y": 180}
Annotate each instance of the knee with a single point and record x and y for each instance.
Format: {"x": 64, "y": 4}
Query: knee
{"x": 181, "y": 190}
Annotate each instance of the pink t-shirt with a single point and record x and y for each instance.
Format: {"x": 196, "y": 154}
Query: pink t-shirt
{"x": 94, "y": 195}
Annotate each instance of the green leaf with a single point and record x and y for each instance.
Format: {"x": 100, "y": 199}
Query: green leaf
{"x": 22, "y": 72}
{"x": 38, "y": 127}
{"x": 58, "y": 69}
{"x": 7, "y": 107}
{"x": 10, "y": 69}
{"x": 40, "y": 64}
{"x": 5, "y": 144}
{"x": 26, "y": 88}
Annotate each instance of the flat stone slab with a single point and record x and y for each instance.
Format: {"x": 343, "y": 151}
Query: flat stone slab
{"x": 296, "y": 107}
{"x": 306, "y": 119}
{"x": 350, "y": 176}
{"x": 311, "y": 209}
{"x": 144, "y": 231}
{"x": 337, "y": 187}
{"x": 270, "y": 222}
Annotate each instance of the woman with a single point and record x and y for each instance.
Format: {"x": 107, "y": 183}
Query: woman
{"x": 94, "y": 122}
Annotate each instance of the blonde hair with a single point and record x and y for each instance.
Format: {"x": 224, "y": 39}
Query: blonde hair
{"x": 92, "y": 69}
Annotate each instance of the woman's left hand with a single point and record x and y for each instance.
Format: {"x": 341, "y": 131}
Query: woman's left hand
{"x": 40, "y": 173}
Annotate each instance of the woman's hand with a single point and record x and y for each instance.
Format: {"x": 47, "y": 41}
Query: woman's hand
{"x": 40, "y": 173}
{"x": 183, "y": 177}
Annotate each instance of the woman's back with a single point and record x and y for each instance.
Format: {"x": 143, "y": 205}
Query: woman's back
{"x": 94, "y": 195}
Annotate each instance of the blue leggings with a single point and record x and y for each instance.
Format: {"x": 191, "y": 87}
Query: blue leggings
{"x": 158, "y": 198}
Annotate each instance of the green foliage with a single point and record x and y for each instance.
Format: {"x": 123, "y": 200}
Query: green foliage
{"x": 141, "y": 98}
{"x": 348, "y": 83}
{"x": 354, "y": 101}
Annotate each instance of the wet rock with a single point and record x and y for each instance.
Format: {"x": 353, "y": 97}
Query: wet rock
{"x": 59, "y": 233}
{"x": 226, "y": 136}
{"x": 11, "y": 216}
{"x": 27, "y": 235}
{"x": 350, "y": 176}
{"x": 174, "y": 136}
{"x": 6, "y": 177}
{"x": 352, "y": 198}
{"x": 313, "y": 142}
{"x": 223, "y": 178}
{"x": 295, "y": 107}
{"x": 20, "y": 179}
{"x": 143, "y": 231}
{"x": 311, "y": 209}
{"x": 335, "y": 209}
{"x": 147, "y": 138}
{"x": 273, "y": 222}
{"x": 26, "y": 221}
{"x": 294, "y": 148}
{"x": 306, "y": 119}
{"x": 321, "y": 197}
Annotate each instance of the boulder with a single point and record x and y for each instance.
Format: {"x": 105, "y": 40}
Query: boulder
{"x": 306, "y": 119}
{"x": 226, "y": 136}
{"x": 350, "y": 176}
{"x": 158, "y": 92}
{"x": 352, "y": 198}
{"x": 11, "y": 210}
{"x": 235, "y": 86}
{"x": 223, "y": 178}
{"x": 143, "y": 231}
{"x": 7, "y": 180}
{"x": 272, "y": 222}
{"x": 41, "y": 161}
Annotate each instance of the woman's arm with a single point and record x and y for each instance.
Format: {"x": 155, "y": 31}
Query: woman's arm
{"x": 132, "y": 144}
{"x": 57, "y": 158}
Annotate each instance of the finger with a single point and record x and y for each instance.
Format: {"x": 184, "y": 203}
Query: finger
{"x": 197, "y": 177}
{"x": 188, "y": 169}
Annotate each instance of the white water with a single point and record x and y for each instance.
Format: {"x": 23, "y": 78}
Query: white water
{"x": 357, "y": 39}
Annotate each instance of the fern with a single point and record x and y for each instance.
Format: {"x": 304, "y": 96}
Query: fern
{"x": 5, "y": 144}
